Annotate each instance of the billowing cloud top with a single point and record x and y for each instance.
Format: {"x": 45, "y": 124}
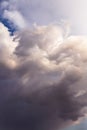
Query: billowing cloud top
{"x": 43, "y": 79}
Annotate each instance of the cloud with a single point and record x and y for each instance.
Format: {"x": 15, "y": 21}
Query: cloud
{"x": 41, "y": 12}
{"x": 11, "y": 13}
{"x": 42, "y": 77}
{"x": 15, "y": 17}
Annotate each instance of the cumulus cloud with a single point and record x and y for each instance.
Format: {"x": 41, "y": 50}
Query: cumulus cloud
{"x": 42, "y": 78}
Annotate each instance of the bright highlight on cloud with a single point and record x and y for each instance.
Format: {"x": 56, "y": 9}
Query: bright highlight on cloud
{"x": 43, "y": 79}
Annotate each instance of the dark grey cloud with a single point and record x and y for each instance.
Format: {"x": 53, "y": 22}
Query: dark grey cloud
{"x": 42, "y": 79}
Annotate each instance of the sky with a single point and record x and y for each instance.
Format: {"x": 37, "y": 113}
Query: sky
{"x": 43, "y": 64}
{"x": 71, "y": 12}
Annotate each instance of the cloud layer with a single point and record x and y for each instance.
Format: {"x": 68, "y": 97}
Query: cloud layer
{"x": 43, "y": 78}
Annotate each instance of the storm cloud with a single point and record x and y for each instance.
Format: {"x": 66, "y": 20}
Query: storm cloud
{"x": 43, "y": 78}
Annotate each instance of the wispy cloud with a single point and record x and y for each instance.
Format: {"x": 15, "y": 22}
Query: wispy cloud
{"x": 11, "y": 13}
{"x": 45, "y": 12}
{"x": 16, "y": 18}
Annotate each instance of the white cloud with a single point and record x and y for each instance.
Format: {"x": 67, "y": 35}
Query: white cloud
{"x": 16, "y": 18}
{"x": 7, "y": 46}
